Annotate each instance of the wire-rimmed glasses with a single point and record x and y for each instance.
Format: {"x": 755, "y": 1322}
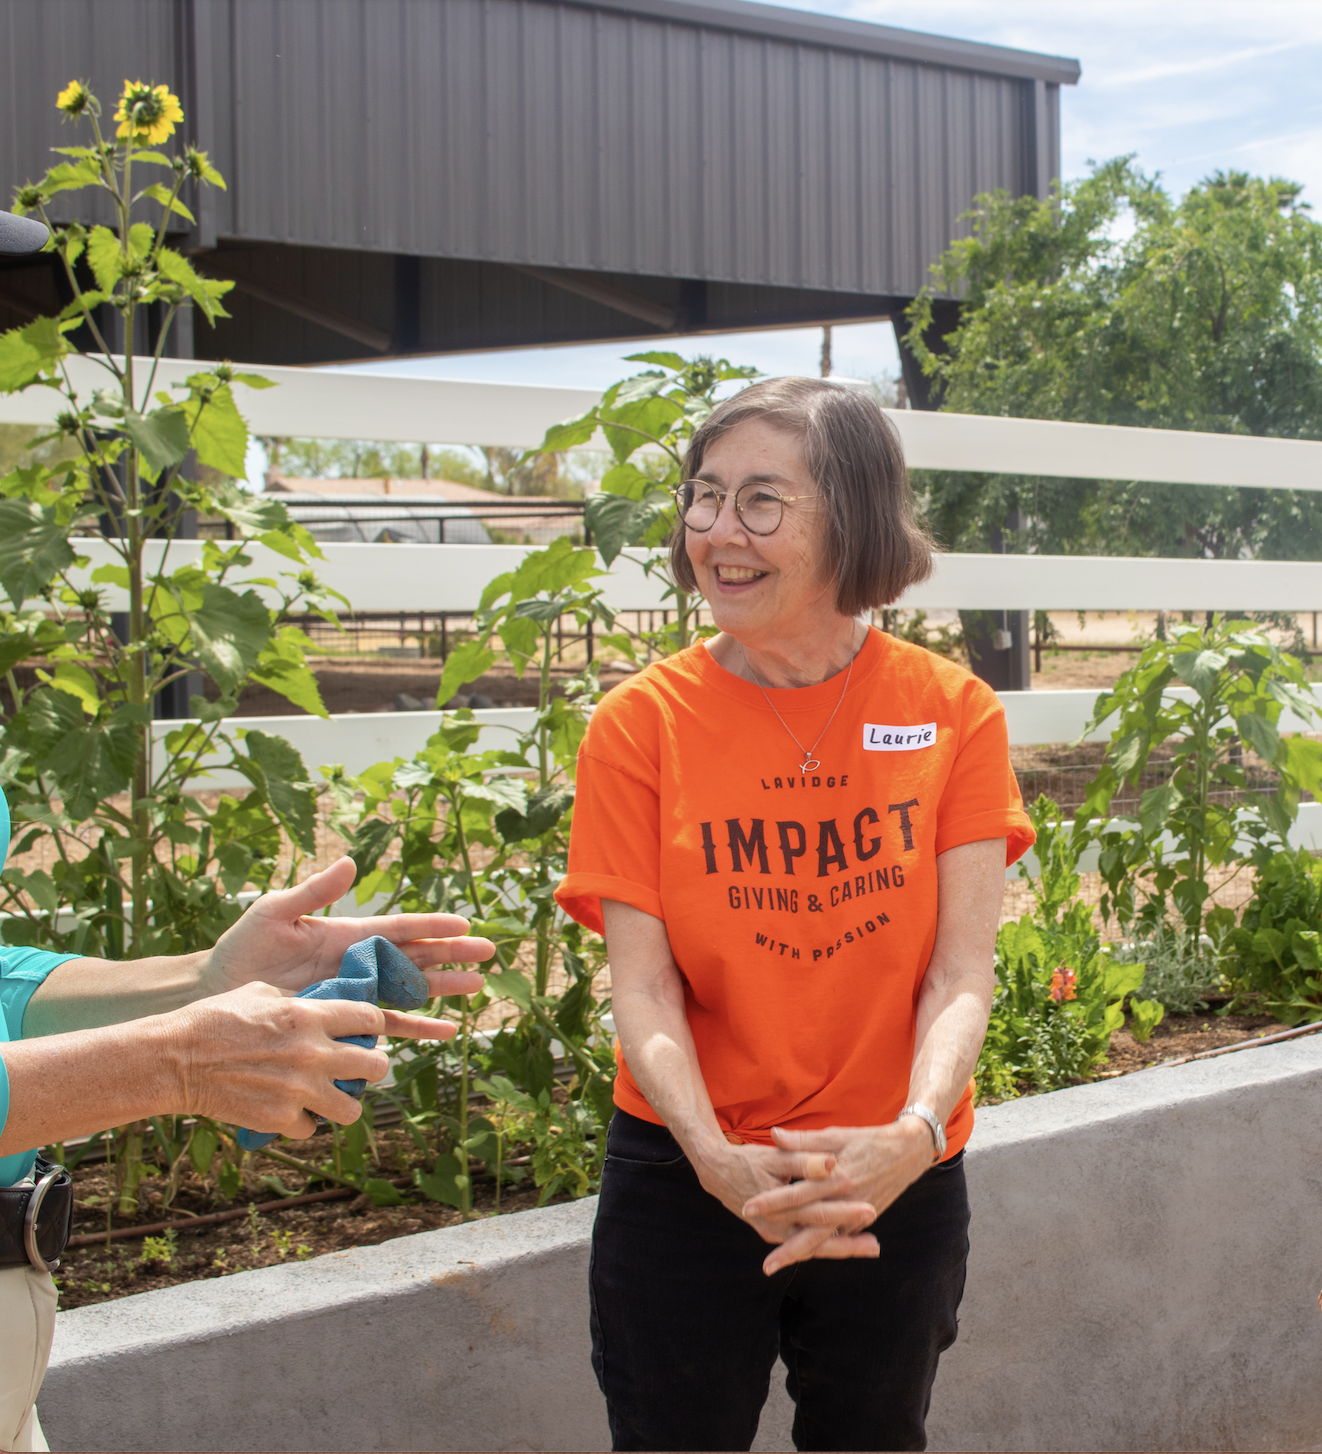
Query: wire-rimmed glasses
{"x": 760, "y": 507}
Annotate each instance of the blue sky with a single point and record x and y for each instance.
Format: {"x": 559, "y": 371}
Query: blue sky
{"x": 1188, "y": 85}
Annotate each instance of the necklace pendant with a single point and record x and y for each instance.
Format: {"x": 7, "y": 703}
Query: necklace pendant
{"x": 810, "y": 766}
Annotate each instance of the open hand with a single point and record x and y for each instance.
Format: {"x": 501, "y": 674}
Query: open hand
{"x": 282, "y": 940}
{"x": 871, "y": 1166}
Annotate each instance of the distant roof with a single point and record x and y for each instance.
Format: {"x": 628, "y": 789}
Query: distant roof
{"x": 881, "y": 40}
{"x": 416, "y": 492}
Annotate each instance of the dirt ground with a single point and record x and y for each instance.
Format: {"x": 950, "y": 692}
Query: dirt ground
{"x": 100, "y": 1272}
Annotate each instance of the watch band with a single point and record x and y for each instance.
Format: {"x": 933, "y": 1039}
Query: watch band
{"x": 926, "y": 1113}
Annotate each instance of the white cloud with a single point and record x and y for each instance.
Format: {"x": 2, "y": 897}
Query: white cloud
{"x": 1193, "y": 68}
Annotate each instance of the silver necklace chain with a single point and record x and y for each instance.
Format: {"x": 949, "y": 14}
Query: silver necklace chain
{"x": 810, "y": 763}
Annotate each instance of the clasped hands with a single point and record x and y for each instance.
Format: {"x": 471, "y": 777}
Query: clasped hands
{"x": 246, "y": 1051}
{"x": 815, "y": 1192}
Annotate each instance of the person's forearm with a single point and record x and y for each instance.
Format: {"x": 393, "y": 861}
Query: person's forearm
{"x": 83, "y": 994}
{"x": 955, "y": 998}
{"x": 77, "y": 1084}
{"x": 951, "y": 1024}
{"x": 658, "y": 1046}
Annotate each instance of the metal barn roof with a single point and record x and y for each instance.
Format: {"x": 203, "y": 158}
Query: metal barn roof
{"x": 429, "y": 175}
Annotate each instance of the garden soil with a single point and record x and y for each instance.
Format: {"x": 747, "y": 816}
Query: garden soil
{"x": 104, "y": 1271}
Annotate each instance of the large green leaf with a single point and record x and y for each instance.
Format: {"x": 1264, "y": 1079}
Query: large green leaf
{"x": 34, "y": 548}
{"x": 441, "y": 1184}
{"x": 617, "y": 522}
{"x": 86, "y": 762}
{"x": 217, "y": 429}
{"x": 463, "y": 665}
{"x": 561, "y": 565}
{"x": 1260, "y": 735}
{"x": 544, "y": 810}
{"x": 627, "y": 479}
{"x": 15, "y": 647}
{"x": 571, "y": 433}
{"x": 1156, "y": 806}
{"x": 281, "y": 774}
{"x": 27, "y": 353}
{"x": 205, "y": 292}
{"x": 105, "y": 257}
{"x": 161, "y": 437}
{"x": 228, "y": 632}
{"x": 1303, "y": 761}
{"x": 295, "y": 681}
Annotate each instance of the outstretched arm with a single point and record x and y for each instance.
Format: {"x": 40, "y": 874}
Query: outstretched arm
{"x": 282, "y": 940}
{"x": 254, "y": 1057}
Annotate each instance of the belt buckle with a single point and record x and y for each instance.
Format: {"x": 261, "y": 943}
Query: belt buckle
{"x": 30, "y": 1220}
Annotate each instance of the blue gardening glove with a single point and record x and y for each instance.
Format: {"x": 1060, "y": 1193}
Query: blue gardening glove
{"x": 373, "y": 972}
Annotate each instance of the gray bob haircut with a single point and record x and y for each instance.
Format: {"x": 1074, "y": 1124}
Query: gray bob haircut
{"x": 875, "y": 547}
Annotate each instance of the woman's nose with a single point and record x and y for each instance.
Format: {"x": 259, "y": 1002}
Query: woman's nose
{"x": 728, "y": 527}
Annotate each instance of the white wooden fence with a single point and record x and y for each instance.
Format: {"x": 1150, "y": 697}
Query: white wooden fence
{"x": 435, "y": 578}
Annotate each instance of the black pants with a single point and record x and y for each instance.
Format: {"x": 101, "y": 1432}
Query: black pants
{"x": 686, "y": 1326}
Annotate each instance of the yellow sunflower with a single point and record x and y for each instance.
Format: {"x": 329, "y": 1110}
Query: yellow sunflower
{"x": 74, "y": 98}
{"x": 147, "y": 113}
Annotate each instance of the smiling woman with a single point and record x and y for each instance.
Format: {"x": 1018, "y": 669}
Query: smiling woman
{"x": 795, "y": 837}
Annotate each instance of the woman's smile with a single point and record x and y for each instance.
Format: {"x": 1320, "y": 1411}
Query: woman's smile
{"x": 736, "y": 577}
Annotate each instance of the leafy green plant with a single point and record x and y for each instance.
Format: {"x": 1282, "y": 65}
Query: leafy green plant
{"x": 138, "y": 866}
{"x": 1241, "y": 684}
{"x": 486, "y": 834}
{"x": 1274, "y": 954}
{"x": 1145, "y": 1016}
{"x": 647, "y": 420}
{"x": 1059, "y": 995}
{"x": 160, "y": 1249}
{"x": 1180, "y": 970}
{"x": 110, "y": 606}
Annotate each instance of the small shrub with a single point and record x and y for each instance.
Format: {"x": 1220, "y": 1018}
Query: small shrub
{"x": 1145, "y": 1016}
{"x": 1059, "y": 997}
{"x": 1180, "y": 971}
{"x": 1274, "y": 955}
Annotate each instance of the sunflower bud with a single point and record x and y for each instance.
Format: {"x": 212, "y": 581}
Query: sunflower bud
{"x": 74, "y": 99}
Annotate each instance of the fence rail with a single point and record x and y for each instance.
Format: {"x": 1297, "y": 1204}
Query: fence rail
{"x": 343, "y": 404}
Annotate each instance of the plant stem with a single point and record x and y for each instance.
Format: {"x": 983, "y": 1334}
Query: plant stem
{"x": 466, "y": 1185}
{"x": 542, "y": 972}
{"x": 308, "y": 1168}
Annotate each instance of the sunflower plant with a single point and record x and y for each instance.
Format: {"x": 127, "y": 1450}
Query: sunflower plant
{"x": 105, "y": 607}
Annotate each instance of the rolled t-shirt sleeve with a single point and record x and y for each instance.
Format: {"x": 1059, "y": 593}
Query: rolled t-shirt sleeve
{"x": 614, "y": 848}
{"x": 22, "y": 972}
{"x": 614, "y": 841}
{"x": 981, "y": 797}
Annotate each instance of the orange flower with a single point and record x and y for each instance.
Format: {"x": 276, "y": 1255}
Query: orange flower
{"x": 1062, "y": 985}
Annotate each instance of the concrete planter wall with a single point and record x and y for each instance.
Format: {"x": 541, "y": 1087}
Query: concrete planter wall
{"x": 1147, "y": 1254}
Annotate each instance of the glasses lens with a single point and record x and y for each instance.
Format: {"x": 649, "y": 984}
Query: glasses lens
{"x": 699, "y": 505}
{"x": 760, "y": 508}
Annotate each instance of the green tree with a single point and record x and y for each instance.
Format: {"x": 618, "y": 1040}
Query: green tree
{"x": 1112, "y": 303}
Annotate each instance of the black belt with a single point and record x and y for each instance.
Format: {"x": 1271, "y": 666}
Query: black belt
{"x": 35, "y": 1221}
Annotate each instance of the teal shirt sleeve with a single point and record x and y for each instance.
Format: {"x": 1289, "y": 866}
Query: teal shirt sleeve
{"x": 21, "y": 974}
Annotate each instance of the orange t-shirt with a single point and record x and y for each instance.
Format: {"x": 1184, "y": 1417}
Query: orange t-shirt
{"x": 800, "y": 907}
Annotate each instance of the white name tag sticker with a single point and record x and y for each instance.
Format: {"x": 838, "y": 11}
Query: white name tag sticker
{"x": 878, "y": 738}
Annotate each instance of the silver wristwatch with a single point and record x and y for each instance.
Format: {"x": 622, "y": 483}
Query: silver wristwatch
{"x": 926, "y": 1113}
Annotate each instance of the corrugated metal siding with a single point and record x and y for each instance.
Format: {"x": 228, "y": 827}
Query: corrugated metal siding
{"x": 555, "y": 135}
